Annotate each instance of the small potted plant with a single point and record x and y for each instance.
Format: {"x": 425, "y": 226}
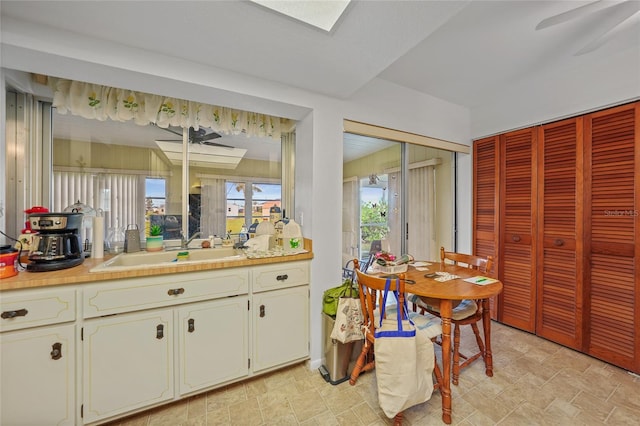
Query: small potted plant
{"x": 154, "y": 240}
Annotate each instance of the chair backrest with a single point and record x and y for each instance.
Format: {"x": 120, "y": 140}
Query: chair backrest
{"x": 482, "y": 264}
{"x": 371, "y": 292}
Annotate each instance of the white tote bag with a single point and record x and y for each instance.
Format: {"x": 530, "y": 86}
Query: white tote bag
{"x": 404, "y": 362}
{"x": 348, "y": 325}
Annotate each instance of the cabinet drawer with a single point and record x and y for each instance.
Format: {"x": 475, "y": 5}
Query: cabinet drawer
{"x": 281, "y": 275}
{"x": 151, "y": 292}
{"x": 32, "y": 308}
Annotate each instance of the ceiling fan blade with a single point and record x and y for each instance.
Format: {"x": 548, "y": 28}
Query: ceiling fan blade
{"x": 572, "y": 14}
{"x": 206, "y": 137}
{"x": 168, "y": 140}
{"x": 613, "y": 23}
{"x": 215, "y": 144}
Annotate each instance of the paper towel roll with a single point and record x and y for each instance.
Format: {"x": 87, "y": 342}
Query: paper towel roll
{"x": 97, "y": 247}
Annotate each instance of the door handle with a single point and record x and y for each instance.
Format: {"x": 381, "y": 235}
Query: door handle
{"x": 282, "y": 277}
{"x": 191, "y": 325}
{"x": 13, "y": 314}
{"x": 56, "y": 351}
{"x": 515, "y": 238}
{"x": 262, "y": 313}
{"x": 175, "y": 291}
{"x": 558, "y": 243}
{"x": 159, "y": 331}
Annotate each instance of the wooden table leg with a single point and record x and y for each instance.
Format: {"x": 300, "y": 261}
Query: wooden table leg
{"x": 445, "y": 315}
{"x": 486, "y": 323}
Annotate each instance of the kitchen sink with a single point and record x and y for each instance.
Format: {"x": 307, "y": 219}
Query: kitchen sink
{"x": 143, "y": 259}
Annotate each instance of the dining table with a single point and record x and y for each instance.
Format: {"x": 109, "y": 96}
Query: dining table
{"x": 421, "y": 282}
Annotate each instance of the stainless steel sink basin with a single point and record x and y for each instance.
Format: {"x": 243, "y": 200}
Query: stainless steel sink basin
{"x": 143, "y": 259}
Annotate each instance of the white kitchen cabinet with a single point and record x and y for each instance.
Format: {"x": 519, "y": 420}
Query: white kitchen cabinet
{"x": 38, "y": 380}
{"x": 280, "y": 315}
{"x": 214, "y": 342}
{"x": 38, "y": 361}
{"x": 128, "y": 363}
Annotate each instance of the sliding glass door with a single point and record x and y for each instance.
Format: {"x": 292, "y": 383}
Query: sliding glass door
{"x": 397, "y": 197}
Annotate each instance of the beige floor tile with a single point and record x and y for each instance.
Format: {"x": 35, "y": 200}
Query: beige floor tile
{"x": 627, "y": 395}
{"x": 197, "y": 406}
{"x": 218, "y": 416}
{"x": 307, "y": 405}
{"x": 169, "y": 415}
{"x": 535, "y": 382}
{"x": 486, "y": 404}
{"x": 255, "y": 387}
{"x": 365, "y": 413}
{"x": 246, "y": 413}
{"x": 622, "y": 416}
{"x": 342, "y": 401}
{"x": 277, "y": 410}
{"x": 196, "y": 421}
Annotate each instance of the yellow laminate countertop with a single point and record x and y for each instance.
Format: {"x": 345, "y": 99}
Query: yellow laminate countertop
{"x": 80, "y": 274}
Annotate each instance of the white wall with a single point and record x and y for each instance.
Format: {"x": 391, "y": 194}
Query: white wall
{"x": 546, "y": 97}
{"x": 318, "y": 135}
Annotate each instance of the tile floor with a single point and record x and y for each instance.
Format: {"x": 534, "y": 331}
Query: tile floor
{"x": 535, "y": 382}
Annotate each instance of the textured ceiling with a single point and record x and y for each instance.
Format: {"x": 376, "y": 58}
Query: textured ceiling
{"x": 466, "y": 52}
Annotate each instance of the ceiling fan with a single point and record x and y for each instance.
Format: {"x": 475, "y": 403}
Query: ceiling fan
{"x": 199, "y": 136}
{"x": 616, "y": 16}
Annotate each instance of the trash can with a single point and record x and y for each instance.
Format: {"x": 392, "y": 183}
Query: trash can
{"x": 337, "y": 355}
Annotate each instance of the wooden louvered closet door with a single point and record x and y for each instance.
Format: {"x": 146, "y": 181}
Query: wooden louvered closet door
{"x": 517, "y": 302}
{"x": 560, "y": 253}
{"x": 485, "y": 203}
{"x": 612, "y": 278}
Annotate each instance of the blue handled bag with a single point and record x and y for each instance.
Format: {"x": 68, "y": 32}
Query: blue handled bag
{"x": 404, "y": 360}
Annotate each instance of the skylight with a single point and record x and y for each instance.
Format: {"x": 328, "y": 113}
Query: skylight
{"x": 321, "y": 14}
{"x": 203, "y": 155}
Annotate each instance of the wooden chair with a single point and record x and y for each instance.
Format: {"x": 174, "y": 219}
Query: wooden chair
{"x": 467, "y": 312}
{"x": 371, "y": 292}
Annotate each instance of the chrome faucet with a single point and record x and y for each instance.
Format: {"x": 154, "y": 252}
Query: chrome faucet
{"x": 184, "y": 242}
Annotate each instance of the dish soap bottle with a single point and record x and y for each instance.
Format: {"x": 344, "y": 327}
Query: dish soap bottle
{"x": 244, "y": 234}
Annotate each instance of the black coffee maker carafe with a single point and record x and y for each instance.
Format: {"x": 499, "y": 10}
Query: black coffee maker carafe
{"x": 57, "y": 242}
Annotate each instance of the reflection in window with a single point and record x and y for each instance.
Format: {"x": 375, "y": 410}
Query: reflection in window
{"x": 254, "y": 197}
{"x": 119, "y": 168}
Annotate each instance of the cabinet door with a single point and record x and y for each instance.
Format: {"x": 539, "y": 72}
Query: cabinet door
{"x": 213, "y": 342}
{"x": 560, "y": 263}
{"x": 38, "y": 376}
{"x": 612, "y": 145}
{"x": 280, "y": 327}
{"x": 517, "y": 261}
{"x": 485, "y": 202}
{"x": 128, "y": 363}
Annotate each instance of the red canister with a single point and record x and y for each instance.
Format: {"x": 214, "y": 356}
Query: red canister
{"x": 8, "y": 257}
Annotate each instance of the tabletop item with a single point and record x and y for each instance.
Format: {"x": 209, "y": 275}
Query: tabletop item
{"x": 85, "y": 232}
{"x": 132, "y": 239}
{"x": 8, "y": 256}
{"x": 97, "y": 245}
{"x": 57, "y": 243}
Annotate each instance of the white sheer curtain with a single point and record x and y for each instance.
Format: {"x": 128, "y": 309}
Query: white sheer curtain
{"x": 421, "y": 241}
{"x": 213, "y": 201}
{"x": 421, "y": 213}
{"x": 350, "y": 219}
{"x": 120, "y": 196}
{"x": 394, "y": 201}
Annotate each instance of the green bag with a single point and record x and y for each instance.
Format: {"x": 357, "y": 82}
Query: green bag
{"x": 332, "y": 296}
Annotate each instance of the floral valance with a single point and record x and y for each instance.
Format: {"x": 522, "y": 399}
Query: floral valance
{"x": 98, "y": 102}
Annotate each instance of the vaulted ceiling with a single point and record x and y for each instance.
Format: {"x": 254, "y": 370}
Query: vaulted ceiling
{"x": 465, "y": 52}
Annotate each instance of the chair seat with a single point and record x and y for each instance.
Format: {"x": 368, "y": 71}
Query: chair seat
{"x": 464, "y": 310}
{"x": 431, "y": 326}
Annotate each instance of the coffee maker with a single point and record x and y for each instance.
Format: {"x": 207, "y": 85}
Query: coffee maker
{"x": 57, "y": 242}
